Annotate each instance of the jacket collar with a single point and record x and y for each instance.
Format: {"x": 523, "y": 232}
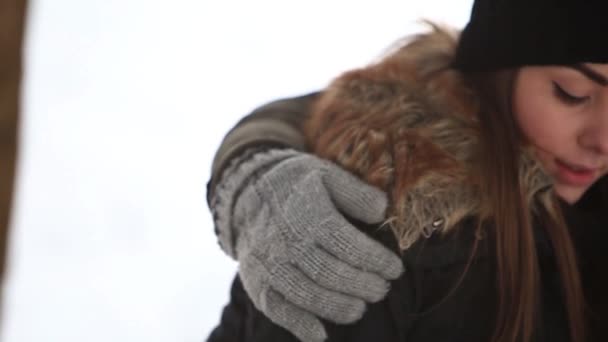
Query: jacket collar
{"x": 407, "y": 124}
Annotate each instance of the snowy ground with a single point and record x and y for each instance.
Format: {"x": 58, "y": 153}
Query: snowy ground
{"x": 125, "y": 103}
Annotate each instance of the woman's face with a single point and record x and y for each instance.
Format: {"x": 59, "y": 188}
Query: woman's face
{"x": 563, "y": 113}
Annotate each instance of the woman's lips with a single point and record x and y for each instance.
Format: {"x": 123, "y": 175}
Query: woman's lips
{"x": 574, "y": 174}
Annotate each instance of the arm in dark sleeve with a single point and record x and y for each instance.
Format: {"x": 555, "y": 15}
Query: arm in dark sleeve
{"x": 232, "y": 324}
{"x": 241, "y": 321}
{"x": 276, "y": 124}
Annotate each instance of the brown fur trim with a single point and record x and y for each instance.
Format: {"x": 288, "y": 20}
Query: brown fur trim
{"x": 407, "y": 124}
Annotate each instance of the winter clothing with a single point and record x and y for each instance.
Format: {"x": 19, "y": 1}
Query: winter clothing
{"x": 424, "y": 304}
{"x": 245, "y": 155}
{"x": 432, "y": 301}
{"x": 295, "y": 233}
{"x": 277, "y": 124}
{"x": 414, "y": 127}
{"x": 510, "y": 33}
{"x": 408, "y": 125}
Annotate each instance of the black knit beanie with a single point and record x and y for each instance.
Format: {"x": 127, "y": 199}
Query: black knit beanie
{"x": 511, "y": 33}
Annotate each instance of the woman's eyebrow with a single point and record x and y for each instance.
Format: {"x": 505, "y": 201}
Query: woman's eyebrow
{"x": 591, "y": 74}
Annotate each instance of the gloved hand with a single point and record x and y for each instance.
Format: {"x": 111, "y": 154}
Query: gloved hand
{"x": 299, "y": 258}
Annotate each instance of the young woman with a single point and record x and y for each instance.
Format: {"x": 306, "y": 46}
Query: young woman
{"x": 479, "y": 153}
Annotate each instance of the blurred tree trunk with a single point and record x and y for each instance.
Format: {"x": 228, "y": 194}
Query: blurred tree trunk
{"x": 12, "y": 21}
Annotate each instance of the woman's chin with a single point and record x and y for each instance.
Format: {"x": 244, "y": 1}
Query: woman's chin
{"x": 570, "y": 194}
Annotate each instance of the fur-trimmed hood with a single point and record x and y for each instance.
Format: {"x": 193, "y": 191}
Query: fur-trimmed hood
{"x": 408, "y": 124}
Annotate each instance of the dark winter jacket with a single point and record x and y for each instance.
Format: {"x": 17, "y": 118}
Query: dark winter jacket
{"x": 433, "y": 301}
{"x": 445, "y": 294}
{"x": 421, "y": 306}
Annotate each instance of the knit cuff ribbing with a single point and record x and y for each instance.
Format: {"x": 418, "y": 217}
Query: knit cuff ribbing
{"x": 242, "y": 171}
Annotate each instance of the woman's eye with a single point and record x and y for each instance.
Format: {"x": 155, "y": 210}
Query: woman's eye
{"x": 566, "y": 97}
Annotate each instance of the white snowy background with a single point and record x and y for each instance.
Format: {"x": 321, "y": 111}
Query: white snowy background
{"x": 125, "y": 102}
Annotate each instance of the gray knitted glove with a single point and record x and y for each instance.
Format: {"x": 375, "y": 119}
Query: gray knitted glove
{"x": 299, "y": 258}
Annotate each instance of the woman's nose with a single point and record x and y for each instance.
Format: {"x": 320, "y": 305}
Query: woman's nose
{"x": 595, "y": 135}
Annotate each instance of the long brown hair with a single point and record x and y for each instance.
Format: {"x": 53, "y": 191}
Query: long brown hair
{"x": 505, "y": 208}
{"x": 359, "y": 121}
